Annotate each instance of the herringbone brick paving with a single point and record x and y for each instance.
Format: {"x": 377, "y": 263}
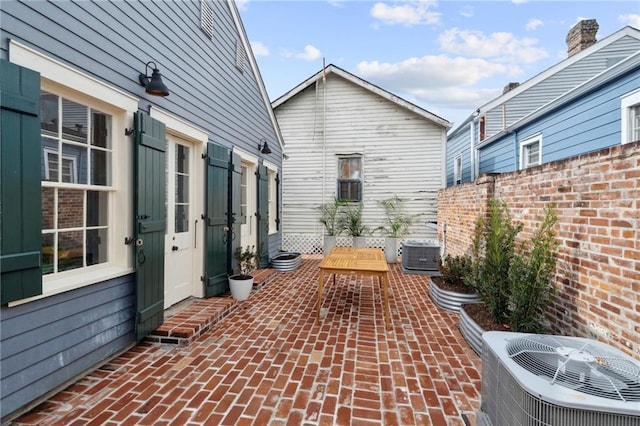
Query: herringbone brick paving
{"x": 269, "y": 363}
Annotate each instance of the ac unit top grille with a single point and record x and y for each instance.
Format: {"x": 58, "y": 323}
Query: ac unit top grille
{"x": 582, "y": 365}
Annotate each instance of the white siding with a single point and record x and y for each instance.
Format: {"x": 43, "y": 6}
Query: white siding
{"x": 402, "y": 155}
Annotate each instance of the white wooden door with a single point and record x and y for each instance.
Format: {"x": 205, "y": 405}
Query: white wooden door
{"x": 181, "y": 221}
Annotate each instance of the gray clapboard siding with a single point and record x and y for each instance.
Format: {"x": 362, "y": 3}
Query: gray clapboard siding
{"x": 52, "y": 340}
{"x": 113, "y": 41}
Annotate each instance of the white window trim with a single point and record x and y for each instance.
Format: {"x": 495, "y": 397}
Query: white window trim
{"x": 626, "y": 102}
{"x": 530, "y": 141}
{"x": 457, "y": 169}
{"x": 67, "y": 82}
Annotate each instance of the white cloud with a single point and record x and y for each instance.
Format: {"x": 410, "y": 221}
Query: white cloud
{"x": 410, "y": 12}
{"x": 632, "y": 19}
{"x": 310, "y": 53}
{"x": 501, "y": 46}
{"x": 467, "y": 12}
{"x": 259, "y": 48}
{"x": 534, "y": 24}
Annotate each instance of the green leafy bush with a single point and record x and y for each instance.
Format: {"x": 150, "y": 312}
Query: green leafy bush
{"x": 513, "y": 280}
{"x": 455, "y": 268}
{"x": 530, "y": 277}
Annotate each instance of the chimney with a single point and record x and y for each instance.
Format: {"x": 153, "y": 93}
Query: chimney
{"x": 510, "y": 86}
{"x": 581, "y": 36}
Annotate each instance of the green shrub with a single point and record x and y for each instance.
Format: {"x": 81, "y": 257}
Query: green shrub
{"x": 530, "y": 276}
{"x": 513, "y": 280}
{"x": 455, "y": 268}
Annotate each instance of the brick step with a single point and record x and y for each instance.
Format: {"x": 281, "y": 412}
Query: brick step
{"x": 187, "y": 320}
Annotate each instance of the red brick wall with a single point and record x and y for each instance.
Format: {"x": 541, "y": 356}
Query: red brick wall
{"x": 598, "y": 208}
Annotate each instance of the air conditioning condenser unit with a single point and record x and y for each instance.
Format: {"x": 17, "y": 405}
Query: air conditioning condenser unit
{"x": 420, "y": 257}
{"x": 547, "y": 380}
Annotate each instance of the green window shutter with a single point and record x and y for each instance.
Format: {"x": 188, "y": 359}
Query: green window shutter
{"x": 150, "y": 222}
{"x": 263, "y": 215}
{"x": 277, "y": 201}
{"x": 20, "y": 198}
{"x": 217, "y": 234}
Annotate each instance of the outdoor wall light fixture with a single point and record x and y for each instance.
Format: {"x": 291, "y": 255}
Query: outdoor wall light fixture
{"x": 153, "y": 84}
{"x": 263, "y": 147}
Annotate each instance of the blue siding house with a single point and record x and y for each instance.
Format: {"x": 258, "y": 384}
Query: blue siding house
{"x": 138, "y": 150}
{"x": 584, "y": 103}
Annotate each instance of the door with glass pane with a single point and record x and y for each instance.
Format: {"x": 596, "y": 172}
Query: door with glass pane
{"x": 180, "y": 237}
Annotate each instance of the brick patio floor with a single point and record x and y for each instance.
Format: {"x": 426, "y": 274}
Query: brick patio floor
{"x": 265, "y": 361}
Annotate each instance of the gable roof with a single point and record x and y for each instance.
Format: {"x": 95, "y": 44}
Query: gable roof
{"x": 624, "y": 32}
{"x": 254, "y": 69}
{"x": 332, "y": 69}
{"x": 610, "y": 74}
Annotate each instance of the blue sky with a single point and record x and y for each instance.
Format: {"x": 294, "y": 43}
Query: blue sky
{"x": 448, "y": 57}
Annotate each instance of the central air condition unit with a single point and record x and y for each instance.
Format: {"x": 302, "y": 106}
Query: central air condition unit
{"x": 537, "y": 379}
{"x": 420, "y": 257}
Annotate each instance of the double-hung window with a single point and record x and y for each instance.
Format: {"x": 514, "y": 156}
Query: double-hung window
{"x": 630, "y": 113}
{"x": 76, "y": 183}
{"x": 457, "y": 169}
{"x": 531, "y": 152}
{"x": 350, "y": 178}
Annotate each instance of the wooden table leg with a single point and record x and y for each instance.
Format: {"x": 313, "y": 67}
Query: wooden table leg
{"x": 319, "y": 303}
{"x": 385, "y": 293}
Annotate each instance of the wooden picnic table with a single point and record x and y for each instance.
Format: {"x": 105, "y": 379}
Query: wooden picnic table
{"x": 367, "y": 262}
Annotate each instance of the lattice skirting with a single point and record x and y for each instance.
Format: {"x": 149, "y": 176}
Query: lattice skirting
{"x": 312, "y": 244}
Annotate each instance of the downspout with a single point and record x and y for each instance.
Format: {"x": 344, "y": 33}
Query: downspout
{"x": 324, "y": 130}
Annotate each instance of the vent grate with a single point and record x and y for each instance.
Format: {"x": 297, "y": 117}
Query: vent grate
{"x": 579, "y": 366}
{"x": 206, "y": 18}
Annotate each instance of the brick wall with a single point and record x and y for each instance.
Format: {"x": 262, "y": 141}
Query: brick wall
{"x": 598, "y": 208}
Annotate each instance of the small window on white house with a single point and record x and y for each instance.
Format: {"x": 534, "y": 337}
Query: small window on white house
{"x": 206, "y": 18}
{"x": 350, "y": 178}
{"x": 531, "y": 152}
{"x": 630, "y": 114}
{"x": 457, "y": 169}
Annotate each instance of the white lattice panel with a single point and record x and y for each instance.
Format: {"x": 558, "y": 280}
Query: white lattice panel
{"x": 312, "y": 244}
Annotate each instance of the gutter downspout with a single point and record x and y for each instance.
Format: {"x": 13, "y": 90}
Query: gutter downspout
{"x": 324, "y": 130}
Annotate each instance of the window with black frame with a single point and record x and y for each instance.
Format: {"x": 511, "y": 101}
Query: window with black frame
{"x": 350, "y": 178}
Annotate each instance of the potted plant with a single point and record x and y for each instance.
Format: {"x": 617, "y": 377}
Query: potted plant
{"x": 396, "y": 226}
{"x": 329, "y": 219}
{"x": 351, "y": 222}
{"x": 241, "y": 282}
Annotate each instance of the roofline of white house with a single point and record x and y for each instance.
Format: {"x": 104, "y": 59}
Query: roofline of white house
{"x": 625, "y": 65}
{"x": 365, "y": 85}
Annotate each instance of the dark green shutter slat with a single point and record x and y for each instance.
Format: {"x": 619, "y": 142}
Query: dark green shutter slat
{"x": 20, "y": 193}
{"x": 277, "y": 201}
{"x": 150, "y": 222}
{"x": 217, "y": 234}
{"x": 263, "y": 215}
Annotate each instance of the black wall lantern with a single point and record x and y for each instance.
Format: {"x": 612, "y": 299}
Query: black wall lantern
{"x": 263, "y": 147}
{"x": 153, "y": 84}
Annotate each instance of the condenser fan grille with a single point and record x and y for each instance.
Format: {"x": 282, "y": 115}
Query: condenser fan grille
{"x": 577, "y": 365}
